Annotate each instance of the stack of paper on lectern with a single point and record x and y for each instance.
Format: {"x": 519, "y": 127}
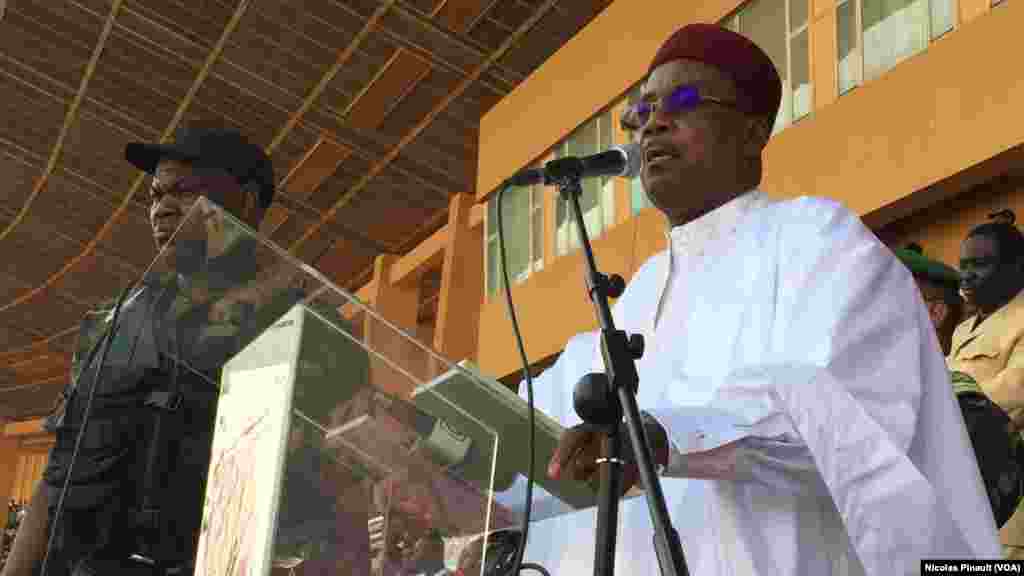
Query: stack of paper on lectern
{"x": 463, "y": 390}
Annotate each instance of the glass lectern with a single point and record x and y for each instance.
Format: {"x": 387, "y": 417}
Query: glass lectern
{"x": 320, "y": 464}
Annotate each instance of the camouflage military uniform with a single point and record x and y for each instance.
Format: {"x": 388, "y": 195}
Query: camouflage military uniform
{"x": 167, "y": 316}
{"x": 997, "y": 449}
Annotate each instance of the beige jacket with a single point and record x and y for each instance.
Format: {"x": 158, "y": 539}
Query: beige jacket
{"x": 993, "y": 354}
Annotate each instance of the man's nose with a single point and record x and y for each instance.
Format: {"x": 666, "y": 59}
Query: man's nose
{"x": 165, "y": 206}
{"x": 658, "y": 122}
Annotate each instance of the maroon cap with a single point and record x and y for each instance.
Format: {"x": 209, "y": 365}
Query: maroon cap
{"x": 758, "y": 86}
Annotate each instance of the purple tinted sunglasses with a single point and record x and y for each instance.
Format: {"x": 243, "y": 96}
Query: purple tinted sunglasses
{"x": 682, "y": 99}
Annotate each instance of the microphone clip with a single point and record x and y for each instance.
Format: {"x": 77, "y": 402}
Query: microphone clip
{"x": 563, "y": 170}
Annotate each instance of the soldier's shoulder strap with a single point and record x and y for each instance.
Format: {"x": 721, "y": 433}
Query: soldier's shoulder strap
{"x": 964, "y": 384}
{"x": 91, "y": 329}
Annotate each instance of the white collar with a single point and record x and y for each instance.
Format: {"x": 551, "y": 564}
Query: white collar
{"x": 693, "y": 237}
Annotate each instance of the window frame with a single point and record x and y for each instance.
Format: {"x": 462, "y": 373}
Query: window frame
{"x": 732, "y": 22}
{"x": 606, "y": 209}
{"x": 858, "y": 50}
{"x": 858, "y": 46}
{"x": 791, "y": 35}
{"x": 535, "y": 261}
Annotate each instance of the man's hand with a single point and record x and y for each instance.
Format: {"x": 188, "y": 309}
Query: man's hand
{"x": 581, "y": 446}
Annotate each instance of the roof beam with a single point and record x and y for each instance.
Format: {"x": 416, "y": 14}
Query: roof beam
{"x": 69, "y": 119}
{"x": 427, "y": 255}
{"x": 24, "y": 428}
{"x": 434, "y": 58}
{"x": 37, "y": 383}
{"x": 319, "y": 163}
{"x": 40, "y": 345}
{"x": 460, "y": 15}
{"x": 137, "y": 183}
{"x": 463, "y": 41}
{"x": 343, "y": 58}
{"x": 392, "y": 83}
{"x": 92, "y": 193}
{"x": 422, "y": 125}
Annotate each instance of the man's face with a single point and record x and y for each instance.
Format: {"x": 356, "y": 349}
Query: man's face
{"x": 934, "y": 297}
{"x": 169, "y": 200}
{"x": 985, "y": 280}
{"x": 692, "y": 159}
{"x": 176, "y": 188}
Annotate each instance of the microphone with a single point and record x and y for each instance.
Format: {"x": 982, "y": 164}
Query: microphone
{"x": 621, "y": 161}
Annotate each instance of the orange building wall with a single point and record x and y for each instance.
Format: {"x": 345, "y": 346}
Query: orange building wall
{"x": 887, "y": 149}
{"x": 941, "y": 228}
{"x": 553, "y": 305}
{"x": 590, "y": 71}
{"x": 22, "y": 461}
{"x": 8, "y": 465}
{"x": 28, "y": 472}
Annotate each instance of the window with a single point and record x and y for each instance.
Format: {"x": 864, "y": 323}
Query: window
{"x": 779, "y": 27}
{"x": 637, "y": 198}
{"x": 875, "y": 35}
{"x": 524, "y": 235}
{"x": 598, "y": 199}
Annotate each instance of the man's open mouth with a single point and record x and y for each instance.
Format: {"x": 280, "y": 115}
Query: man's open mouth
{"x": 656, "y": 155}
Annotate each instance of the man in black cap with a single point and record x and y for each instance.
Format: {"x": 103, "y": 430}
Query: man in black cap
{"x": 102, "y": 525}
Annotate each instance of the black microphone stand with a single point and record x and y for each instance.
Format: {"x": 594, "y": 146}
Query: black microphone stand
{"x": 620, "y": 353}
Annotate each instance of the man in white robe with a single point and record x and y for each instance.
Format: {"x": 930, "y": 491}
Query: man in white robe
{"x": 794, "y": 390}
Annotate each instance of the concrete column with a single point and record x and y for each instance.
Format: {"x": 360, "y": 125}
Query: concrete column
{"x": 398, "y": 304}
{"x": 971, "y": 9}
{"x": 462, "y": 284}
{"x": 823, "y": 52}
{"x": 9, "y": 451}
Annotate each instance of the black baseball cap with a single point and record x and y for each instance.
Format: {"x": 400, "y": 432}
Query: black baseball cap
{"x": 224, "y": 149}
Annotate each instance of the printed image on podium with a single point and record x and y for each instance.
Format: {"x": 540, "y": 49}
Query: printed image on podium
{"x": 320, "y": 463}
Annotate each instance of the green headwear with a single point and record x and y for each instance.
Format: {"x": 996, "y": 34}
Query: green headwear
{"x": 914, "y": 259}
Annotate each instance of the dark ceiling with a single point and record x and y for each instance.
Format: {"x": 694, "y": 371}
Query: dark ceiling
{"x": 368, "y": 108}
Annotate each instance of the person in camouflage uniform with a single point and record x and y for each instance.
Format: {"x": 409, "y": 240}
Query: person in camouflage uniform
{"x": 192, "y": 312}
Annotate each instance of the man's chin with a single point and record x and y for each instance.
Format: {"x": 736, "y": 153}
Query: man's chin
{"x": 162, "y": 243}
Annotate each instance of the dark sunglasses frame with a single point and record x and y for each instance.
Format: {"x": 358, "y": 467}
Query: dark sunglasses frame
{"x": 216, "y": 186}
{"x": 682, "y": 98}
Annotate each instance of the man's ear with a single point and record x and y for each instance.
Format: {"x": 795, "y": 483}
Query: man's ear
{"x": 943, "y": 311}
{"x": 253, "y": 210}
{"x": 756, "y": 134}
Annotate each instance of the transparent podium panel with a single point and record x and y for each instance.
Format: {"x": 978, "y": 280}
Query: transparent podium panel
{"x": 320, "y": 462}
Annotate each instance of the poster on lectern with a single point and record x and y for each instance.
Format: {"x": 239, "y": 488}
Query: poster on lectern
{"x": 245, "y": 468}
